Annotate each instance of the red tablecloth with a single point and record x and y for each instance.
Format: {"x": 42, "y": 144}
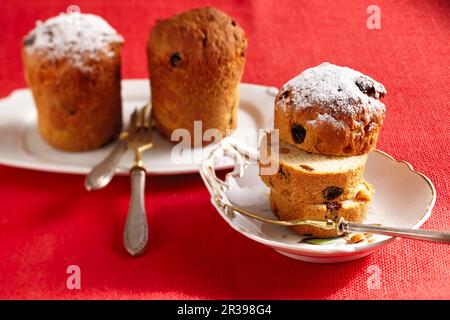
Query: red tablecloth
{"x": 48, "y": 221}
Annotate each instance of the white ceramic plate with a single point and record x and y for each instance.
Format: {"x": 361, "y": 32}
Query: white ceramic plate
{"x": 22, "y": 146}
{"x": 403, "y": 198}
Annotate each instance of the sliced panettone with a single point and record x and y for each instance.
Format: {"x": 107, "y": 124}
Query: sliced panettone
{"x": 314, "y": 178}
{"x": 287, "y": 208}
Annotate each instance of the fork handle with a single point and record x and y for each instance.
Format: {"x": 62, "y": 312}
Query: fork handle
{"x": 135, "y": 234}
{"x": 427, "y": 235}
{"x": 102, "y": 173}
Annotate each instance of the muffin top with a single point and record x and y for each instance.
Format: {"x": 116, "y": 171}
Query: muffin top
{"x": 333, "y": 94}
{"x": 330, "y": 110}
{"x": 199, "y": 37}
{"x": 75, "y": 37}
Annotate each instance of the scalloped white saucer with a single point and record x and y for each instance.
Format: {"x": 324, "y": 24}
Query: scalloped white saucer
{"x": 403, "y": 198}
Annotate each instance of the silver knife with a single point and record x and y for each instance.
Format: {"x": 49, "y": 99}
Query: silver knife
{"x": 103, "y": 173}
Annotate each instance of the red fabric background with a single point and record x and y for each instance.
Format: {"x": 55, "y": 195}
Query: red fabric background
{"x": 48, "y": 221}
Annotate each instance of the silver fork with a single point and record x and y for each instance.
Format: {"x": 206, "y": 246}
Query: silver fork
{"x": 135, "y": 234}
{"x": 103, "y": 172}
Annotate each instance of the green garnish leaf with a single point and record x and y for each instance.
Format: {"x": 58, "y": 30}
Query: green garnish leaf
{"x": 319, "y": 241}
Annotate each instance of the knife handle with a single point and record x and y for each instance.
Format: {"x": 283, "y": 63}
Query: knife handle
{"x": 103, "y": 173}
{"x": 135, "y": 234}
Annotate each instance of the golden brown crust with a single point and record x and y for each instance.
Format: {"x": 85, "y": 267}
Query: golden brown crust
{"x": 77, "y": 110}
{"x": 343, "y": 121}
{"x": 357, "y": 137}
{"x": 196, "y": 60}
{"x": 288, "y": 209}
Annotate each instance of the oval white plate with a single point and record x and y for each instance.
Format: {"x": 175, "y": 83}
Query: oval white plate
{"x": 22, "y": 146}
{"x": 403, "y": 198}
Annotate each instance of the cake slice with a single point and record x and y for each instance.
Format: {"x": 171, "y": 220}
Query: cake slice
{"x": 354, "y": 210}
{"x": 313, "y": 178}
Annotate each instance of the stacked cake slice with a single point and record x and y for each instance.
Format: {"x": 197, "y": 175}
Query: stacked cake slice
{"x": 327, "y": 125}
{"x": 318, "y": 187}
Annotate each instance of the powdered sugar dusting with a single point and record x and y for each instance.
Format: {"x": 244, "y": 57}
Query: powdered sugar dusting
{"x": 74, "y": 36}
{"x": 338, "y": 90}
{"x": 326, "y": 118}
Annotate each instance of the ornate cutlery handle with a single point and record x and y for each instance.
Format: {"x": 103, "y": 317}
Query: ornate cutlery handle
{"x": 427, "y": 235}
{"x": 135, "y": 234}
{"x": 102, "y": 173}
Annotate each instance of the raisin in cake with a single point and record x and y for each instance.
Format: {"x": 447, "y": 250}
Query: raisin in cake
{"x": 286, "y": 208}
{"x": 196, "y": 60}
{"x": 314, "y": 178}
